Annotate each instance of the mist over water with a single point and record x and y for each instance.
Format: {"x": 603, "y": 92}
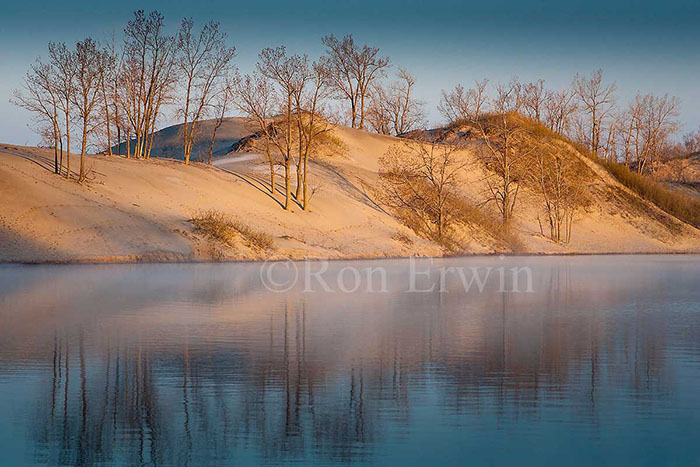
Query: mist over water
{"x": 201, "y": 364}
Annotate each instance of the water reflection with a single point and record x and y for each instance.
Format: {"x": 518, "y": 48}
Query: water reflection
{"x": 199, "y": 364}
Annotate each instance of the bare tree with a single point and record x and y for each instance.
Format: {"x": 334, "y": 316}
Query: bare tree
{"x": 378, "y": 116}
{"x": 691, "y": 142}
{"x": 89, "y": 60}
{"x": 39, "y": 95}
{"x": 395, "y": 110}
{"x": 255, "y": 97}
{"x": 464, "y": 105}
{"x": 559, "y": 107}
{"x": 61, "y": 60}
{"x": 419, "y": 180}
{"x": 222, "y": 98}
{"x": 147, "y": 76}
{"x": 310, "y": 123}
{"x": 203, "y": 60}
{"x": 290, "y": 84}
{"x": 117, "y": 96}
{"x": 507, "y": 150}
{"x": 613, "y": 132}
{"x": 108, "y": 71}
{"x": 286, "y": 72}
{"x": 352, "y": 69}
{"x": 629, "y": 125}
{"x": 657, "y": 122}
{"x": 560, "y": 180}
{"x": 534, "y": 97}
{"x": 597, "y": 101}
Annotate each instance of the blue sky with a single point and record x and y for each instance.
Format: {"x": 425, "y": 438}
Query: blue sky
{"x": 643, "y": 46}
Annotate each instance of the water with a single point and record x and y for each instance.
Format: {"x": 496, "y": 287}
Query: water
{"x": 202, "y": 365}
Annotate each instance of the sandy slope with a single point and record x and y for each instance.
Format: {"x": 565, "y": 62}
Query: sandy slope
{"x": 139, "y": 210}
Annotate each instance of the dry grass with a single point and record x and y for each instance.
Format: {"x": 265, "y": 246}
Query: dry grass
{"x": 678, "y": 205}
{"x": 402, "y": 238}
{"x": 492, "y": 224}
{"x": 227, "y": 229}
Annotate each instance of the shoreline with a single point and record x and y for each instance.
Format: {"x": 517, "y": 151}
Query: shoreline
{"x": 90, "y": 262}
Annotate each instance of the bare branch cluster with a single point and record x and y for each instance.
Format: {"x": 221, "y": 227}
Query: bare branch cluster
{"x": 420, "y": 181}
{"x": 393, "y": 108}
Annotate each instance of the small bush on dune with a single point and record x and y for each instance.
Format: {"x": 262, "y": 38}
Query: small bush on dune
{"x": 226, "y": 229}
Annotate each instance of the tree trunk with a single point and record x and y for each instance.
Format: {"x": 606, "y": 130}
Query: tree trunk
{"x": 297, "y": 193}
{"x": 211, "y": 144}
{"x": 67, "y": 144}
{"x": 57, "y": 168}
{"x": 83, "y": 149}
{"x": 187, "y": 130}
{"x": 306, "y": 199}
{"x": 60, "y": 164}
{"x": 137, "y": 144}
{"x": 272, "y": 168}
{"x": 119, "y": 140}
{"x": 288, "y": 159}
{"x": 362, "y": 111}
{"x": 353, "y": 112}
{"x": 109, "y": 131}
{"x": 287, "y": 186}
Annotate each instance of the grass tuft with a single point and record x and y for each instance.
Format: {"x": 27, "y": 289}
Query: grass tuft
{"x": 227, "y": 229}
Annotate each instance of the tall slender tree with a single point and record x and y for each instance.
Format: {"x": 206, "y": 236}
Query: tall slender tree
{"x": 147, "y": 76}
{"x": 255, "y": 97}
{"x": 222, "y": 99}
{"x": 597, "y": 102}
{"x": 61, "y": 59}
{"x": 203, "y": 61}
{"x": 507, "y": 150}
{"x": 89, "y": 61}
{"x": 39, "y": 95}
{"x": 461, "y": 104}
{"x": 286, "y": 72}
{"x": 352, "y": 69}
{"x": 394, "y": 109}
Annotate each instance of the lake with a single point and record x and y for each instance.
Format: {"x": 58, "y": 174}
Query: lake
{"x": 561, "y": 361}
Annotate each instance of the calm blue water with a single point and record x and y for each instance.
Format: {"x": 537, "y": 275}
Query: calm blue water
{"x": 202, "y": 365}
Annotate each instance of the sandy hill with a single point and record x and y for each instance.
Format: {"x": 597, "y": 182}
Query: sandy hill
{"x": 135, "y": 210}
{"x": 168, "y": 141}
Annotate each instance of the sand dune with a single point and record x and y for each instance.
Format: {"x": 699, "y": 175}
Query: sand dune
{"x": 137, "y": 210}
{"x": 168, "y": 141}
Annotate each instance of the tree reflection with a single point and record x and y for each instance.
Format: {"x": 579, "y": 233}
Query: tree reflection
{"x": 310, "y": 376}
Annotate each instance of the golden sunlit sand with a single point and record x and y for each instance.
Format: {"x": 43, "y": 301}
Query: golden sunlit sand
{"x": 140, "y": 210}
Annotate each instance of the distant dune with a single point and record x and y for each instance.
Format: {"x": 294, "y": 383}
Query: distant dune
{"x": 136, "y": 210}
{"x": 168, "y": 142}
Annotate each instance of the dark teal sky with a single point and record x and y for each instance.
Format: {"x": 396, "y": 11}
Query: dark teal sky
{"x": 643, "y": 46}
